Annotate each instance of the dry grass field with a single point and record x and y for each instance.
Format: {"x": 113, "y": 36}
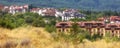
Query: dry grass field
{"x": 33, "y": 37}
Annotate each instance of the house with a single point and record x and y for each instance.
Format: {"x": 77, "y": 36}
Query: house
{"x": 65, "y": 15}
{"x": 49, "y": 12}
{"x": 1, "y": 7}
{"x": 104, "y": 19}
{"x": 58, "y": 13}
{"x": 114, "y": 19}
{"x": 6, "y": 9}
{"x": 35, "y": 10}
{"x": 16, "y": 9}
{"x": 111, "y": 19}
{"x": 71, "y": 13}
{"x": 45, "y": 11}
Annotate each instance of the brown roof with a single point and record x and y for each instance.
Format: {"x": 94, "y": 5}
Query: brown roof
{"x": 114, "y": 18}
{"x": 63, "y": 24}
{"x": 94, "y": 24}
{"x": 101, "y": 19}
{"x": 34, "y": 9}
{"x": 112, "y": 25}
{"x": 50, "y": 12}
{"x": 1, "y": 7}
{"x": 82, "y": 24}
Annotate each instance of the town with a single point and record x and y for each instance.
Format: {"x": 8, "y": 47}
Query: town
{"x": 100, "y": 26}
{"x": 59, "y": 23}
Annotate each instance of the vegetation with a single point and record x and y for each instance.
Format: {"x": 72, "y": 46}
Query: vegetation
{"x": 50, "y": 28}
{"x": 83, "y": 4}
{"x": 34, "y": 37}
{"x": 94, "y": 15}
{"x": 17, "y": 20}
{"x": 34, "y": 34}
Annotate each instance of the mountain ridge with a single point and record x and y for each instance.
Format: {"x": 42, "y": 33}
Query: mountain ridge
{"x": 79, "y": 4}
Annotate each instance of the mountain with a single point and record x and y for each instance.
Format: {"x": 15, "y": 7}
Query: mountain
{"x": 79, "y": 4}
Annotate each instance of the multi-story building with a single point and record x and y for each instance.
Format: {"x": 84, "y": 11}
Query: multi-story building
{"x": 111, "y": 19}
{"x": 113, "y": 29}
{"x": 65, "y": 15}
{"x": 72, "y": 13}
{"x": 16, "y": 9}
{"x": 47, "y": 11}
{"x": 93, "y": 27}
{"x": 35, "y": 10}
{"x": 64, "y": 26}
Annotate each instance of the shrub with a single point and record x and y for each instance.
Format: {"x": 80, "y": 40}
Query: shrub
{"x": 50, "y": 28}
{"x": 94, "y": 37}
{"x": 110, "y": 38}
{"x": 17, "y": 20}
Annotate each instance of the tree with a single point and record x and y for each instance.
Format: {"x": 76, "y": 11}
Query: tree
{"x": 75, "y": 28}
{"x": 78, "y": 19}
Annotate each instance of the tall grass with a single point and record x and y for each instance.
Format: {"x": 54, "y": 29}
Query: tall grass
{"x": 33, "y": 37}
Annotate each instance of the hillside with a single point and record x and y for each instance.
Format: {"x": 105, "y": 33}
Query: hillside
{"x": 83, "y": 4}
{"x": 33, "y": 37}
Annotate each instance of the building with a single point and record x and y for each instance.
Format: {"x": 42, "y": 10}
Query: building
{"x": 93, "y": 27}
{"x": 71, "y": 13}
{"x": 65, "y": 15}
{"x": 16, "y": 9}
{"x": 113, "y": 29}
{"x": 46, "y": 11}
{"x": 1, "y": 7}
{"x": 64, "y": 26}
{"x": 35, "y": 10}
{"x": 111, "y": 19}
{"x": 114, "y": 19}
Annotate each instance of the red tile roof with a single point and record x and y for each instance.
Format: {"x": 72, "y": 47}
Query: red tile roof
{"x": 82, "y": 24}
{"x": 114, "y": 18}
{"x": 1, "y": 7}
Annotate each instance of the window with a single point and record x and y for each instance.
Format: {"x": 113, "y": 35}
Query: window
{"x": 66, "y": 30}
{"x": 59, "y": 30}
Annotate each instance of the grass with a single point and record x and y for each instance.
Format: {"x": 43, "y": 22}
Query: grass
{"x": 34, "y": 37}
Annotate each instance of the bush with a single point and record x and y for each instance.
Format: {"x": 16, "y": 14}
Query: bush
{"x": 17, "y": 20}
{"x": 94, "y": 37}
{"x": 110, "y": 38}
{"x": 50, "y": 28}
